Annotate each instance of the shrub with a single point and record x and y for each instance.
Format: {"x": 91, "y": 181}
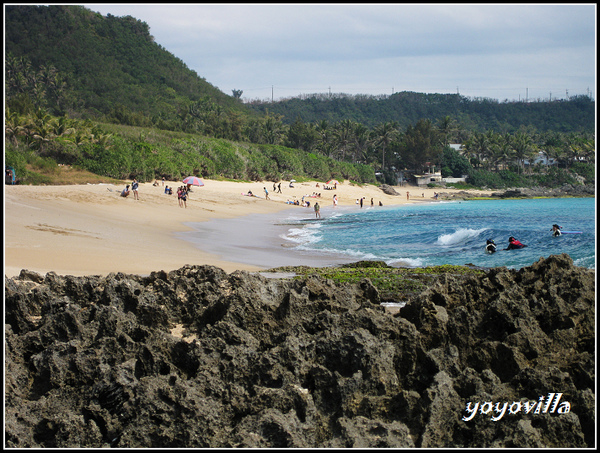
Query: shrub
{"x": 588, "y": 171}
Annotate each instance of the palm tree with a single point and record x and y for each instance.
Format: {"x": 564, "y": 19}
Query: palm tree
{"x": 501, "y": 152}
{"x": 385, "y": 133}
{"x": 343, "y": 136}
{"x": 446, "y": 128}
{"x": 325, "y": 143}
{"x": 523, "y": 147}
{"x": 40, "y": 128}
{"x": 14, "y": 125}
{"x": 361, "y": 142}
{"x": 63, "y": 126}
{"x": 478, "y": 147}
{"x": 272, "y": 129}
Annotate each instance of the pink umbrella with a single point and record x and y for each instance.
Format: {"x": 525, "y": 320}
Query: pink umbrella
{"x": 193, "y": 181}
{"x": 332, "y": 181}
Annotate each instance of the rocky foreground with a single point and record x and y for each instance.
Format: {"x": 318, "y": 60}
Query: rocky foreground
{"x": 201, "y": 358}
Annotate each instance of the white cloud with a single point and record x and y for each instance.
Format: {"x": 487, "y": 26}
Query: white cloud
{"x": 486, "y": 50}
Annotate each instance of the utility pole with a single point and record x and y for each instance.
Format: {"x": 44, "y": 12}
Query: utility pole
{"x": 271, "y": 94}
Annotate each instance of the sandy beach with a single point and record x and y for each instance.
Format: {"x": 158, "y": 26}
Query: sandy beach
{"x": 92, "y": 230}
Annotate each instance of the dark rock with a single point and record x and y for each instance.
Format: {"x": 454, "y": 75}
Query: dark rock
{"x": 388, "y": 190}
{"x": 198, "y": 358}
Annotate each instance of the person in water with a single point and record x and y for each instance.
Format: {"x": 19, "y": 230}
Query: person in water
{"x": 490, "y": 246}
{"x": 514, "y": 244}
{"x": 556, "y": 230}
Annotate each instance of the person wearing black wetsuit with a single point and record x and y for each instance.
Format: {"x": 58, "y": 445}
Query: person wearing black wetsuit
{"x": 490, "y": 246}
{"x": 556, "y": 230}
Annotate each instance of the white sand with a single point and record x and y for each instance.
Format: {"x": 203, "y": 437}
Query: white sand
{"x": 91, "y": 230}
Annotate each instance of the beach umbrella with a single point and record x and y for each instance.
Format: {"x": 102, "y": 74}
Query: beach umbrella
{"x": 193, "y": 181}
{"x": 332, "y": 181}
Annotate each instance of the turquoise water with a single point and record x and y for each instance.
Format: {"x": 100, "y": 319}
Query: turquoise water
{"x": 450, "y": 232}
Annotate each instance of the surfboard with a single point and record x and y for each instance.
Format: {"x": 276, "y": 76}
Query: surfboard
{"x": 571, "y": 232}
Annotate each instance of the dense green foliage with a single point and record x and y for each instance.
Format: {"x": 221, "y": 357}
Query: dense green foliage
{"x": 406, "y": 108}
{"x": 108, "y": 68}
{"x": 124, "y": 152}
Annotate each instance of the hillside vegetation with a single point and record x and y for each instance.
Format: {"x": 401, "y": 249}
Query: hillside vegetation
{"x": 406, "y": 108}
{"x": 97, "y": 93}
{"x": 106, "y": 66}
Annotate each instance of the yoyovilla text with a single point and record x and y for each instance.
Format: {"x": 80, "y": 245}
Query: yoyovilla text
{"x": 545, "y": 405}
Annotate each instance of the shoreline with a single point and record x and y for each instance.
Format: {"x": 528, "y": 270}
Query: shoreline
{"x": 261, "y": 243}
{"x": 90, "y": 230}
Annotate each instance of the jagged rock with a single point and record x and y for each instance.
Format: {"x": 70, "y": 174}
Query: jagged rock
{"x": 198, "y": 358}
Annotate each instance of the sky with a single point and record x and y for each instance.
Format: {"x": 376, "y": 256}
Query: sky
{"x": 278, "y": 51}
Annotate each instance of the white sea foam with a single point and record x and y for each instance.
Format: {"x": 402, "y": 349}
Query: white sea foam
{"x": 409, "y": 262}
{"x": 308, "y": 234}
{"x": 459, "y": 236}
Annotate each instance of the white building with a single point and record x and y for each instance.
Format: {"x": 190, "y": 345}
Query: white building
{"x": 541, "y": 158}
{"x": 423, "y": 180}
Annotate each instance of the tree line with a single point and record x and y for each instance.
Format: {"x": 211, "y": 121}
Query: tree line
{"x": 574, "y": 114}
{"x": 37, "y": 142}
{"x": 319, "y": 150}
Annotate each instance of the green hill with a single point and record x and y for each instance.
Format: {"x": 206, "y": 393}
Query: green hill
{"x": 110, "y": 67}
{"x": 406, "y": 108}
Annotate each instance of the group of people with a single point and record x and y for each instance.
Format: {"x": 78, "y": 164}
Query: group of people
{"x": 513, "y": 244}
{"x": 134, "y": 188}
{"x": 182, "y": 195}
{"x": 182, "y": 192}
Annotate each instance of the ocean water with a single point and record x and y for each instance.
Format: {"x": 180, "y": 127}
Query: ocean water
{"x": 453, "y": 232}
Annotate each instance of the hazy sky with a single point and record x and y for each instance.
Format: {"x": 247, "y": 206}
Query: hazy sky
{"x": 502, "y": 51}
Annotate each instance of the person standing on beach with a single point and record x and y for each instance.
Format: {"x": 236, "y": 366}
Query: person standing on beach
{"x": 407, "y": 195}
{"x": 134, "y": 189}
{"x": 179, "y": 195}
{"x": 317, "y": 211}
{"x": 184, "y": 195}
{"x": 279, "y": 188}
{"x": 266, "y": 194}
{"x": 335, "y": 200}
